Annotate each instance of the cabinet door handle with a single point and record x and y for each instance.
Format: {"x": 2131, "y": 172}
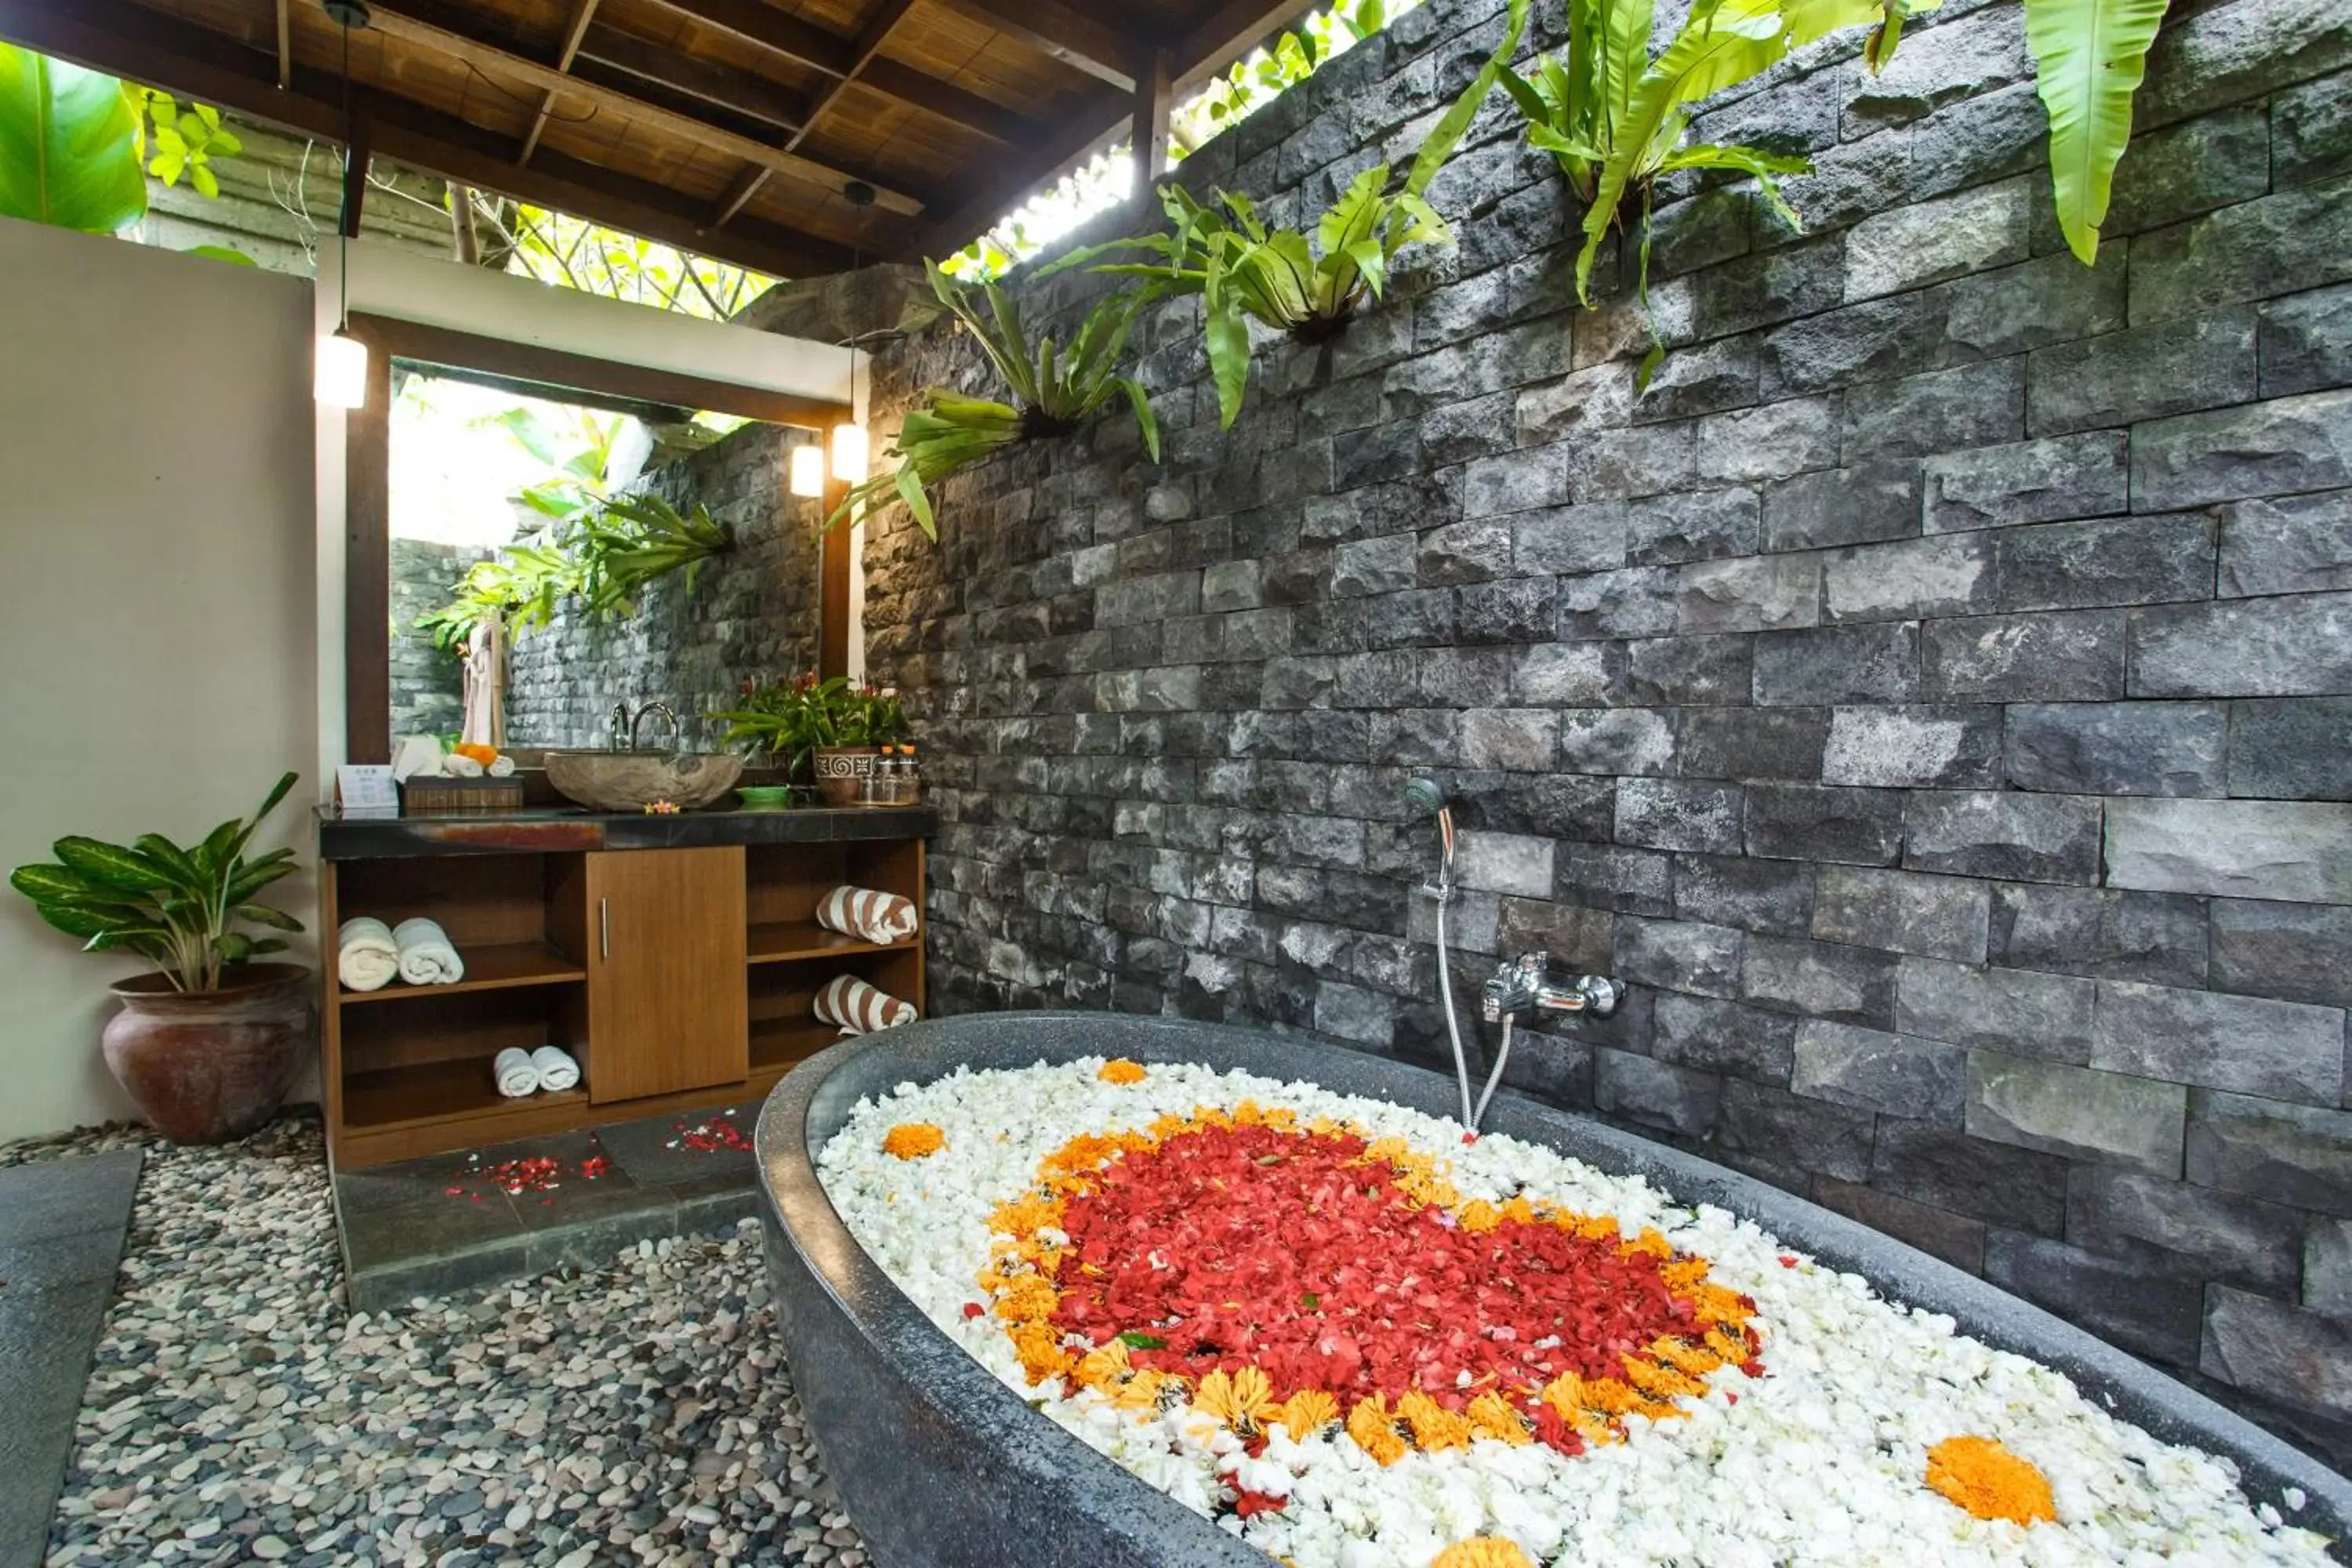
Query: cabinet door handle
{"x": 604, "y": 928}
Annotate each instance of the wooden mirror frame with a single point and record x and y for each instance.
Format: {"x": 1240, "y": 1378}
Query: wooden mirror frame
{"x": 367, "y": 489}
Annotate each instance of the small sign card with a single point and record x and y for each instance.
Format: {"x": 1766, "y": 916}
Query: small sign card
{"x": 366, "y": 789}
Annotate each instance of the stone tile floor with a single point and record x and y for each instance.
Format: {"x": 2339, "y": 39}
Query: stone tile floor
{"x": 632, "y": 1410}
{"x": 464, "y": 1221}
{"x": 62, "y": 1231}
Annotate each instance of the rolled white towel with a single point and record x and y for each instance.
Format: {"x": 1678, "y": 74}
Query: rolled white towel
{"x": 458, "y": 765}
{"x": 860, "y": 1008}
{"x": 366, "y": 956}
{"x": 502, "y": 766}
{"x": 557, "y": 1070}
{"x": 427, "y": 957}
{"x": 870, "y": 916}
{"x": 517, "y": 1076}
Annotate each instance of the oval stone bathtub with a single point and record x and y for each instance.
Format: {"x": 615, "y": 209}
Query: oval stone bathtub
{"x": 939, "y": 1463}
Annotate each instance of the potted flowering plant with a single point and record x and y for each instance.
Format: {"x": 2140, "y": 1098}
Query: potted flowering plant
{"x": 829, "y": 732}
{"x": 209, "y": 1042}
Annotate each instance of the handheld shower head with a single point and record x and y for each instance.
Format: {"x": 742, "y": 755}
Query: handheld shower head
{"x": 1423, "y": 795}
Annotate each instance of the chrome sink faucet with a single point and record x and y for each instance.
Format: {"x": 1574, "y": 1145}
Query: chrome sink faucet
{"x": 1522, "y": 988}
{"x": 620, "y": 732}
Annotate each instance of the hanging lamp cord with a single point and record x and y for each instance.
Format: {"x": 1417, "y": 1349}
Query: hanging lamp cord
{"x": 343, "y": 207}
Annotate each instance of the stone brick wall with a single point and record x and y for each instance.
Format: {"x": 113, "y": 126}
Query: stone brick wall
{"x": 753, "y": 616}
{"x": 1934, "y": 697}
{"x": 429, "y": 688}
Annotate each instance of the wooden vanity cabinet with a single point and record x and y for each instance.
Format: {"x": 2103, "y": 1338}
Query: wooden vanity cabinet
{"x": 665, "y": 940}
{"x": 681, "y": 979}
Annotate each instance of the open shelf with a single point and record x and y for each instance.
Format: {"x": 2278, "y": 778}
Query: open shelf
{"x": 787, "y": 941}
{"x": 498, "y": 967}
{"x": 780, "y": 1042}
{"x": 436, "y": 1091}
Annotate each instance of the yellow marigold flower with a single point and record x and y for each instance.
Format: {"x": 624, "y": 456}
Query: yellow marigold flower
{"x": 1028, "y": 1300}
{"x": 1493, "y": 1416}
{"x": 1684, "y": 1358}
{"x": 1610, "y": 1397}
{"x": 1374, "y": 1430}
{"x": 1729, "y": 1347}
{"x": 1308, "y": 1412}
{"x": 1593, "y": 1227}
{"x": 1519, "y": 1210}
{"x": 1649, "y": 1241}
{"x": 1141, "y": 1391}
{"x": 1660, "y": 1382}
{"x": 1716, "y": 1304}
{"x": 1990, "y": 1481}
{"x": 1241, "y": 1398}
{"x": 1103, "y": 1366}
{"x": 1483, "y": 1551}
{"x": 1083, "y": 1153}
{"x": 913, "y": 1140}
{"x": 1477, "y": 1216}
{"x": 1025, "y": 1215}
{"x": 1040, "y": 1350}
{"x": 1434, "y": 1427}
{"x": 1121, "y": 1071}
{"x": 1684, "y": 1273}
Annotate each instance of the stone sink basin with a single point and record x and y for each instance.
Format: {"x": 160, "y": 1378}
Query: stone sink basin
{"x": 630, "y": 781}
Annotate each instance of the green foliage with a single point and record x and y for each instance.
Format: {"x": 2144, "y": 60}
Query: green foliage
{"x": 2089, "y": 56}
{"x": 631, "y": 540}
{"x": 788, "y": 720}
{"x": 582, "y": 457}
{"x": 519, "y": 588}
{"x": 178, "y": 907}
{"x": 1614, "y": 118}
{"x": 185, "y": 141}
{"x": 573, "y": 253}
{"x": 1058, "y": 389}
{"x": 1310, "y": 288}
{"x": 68, "y": 146}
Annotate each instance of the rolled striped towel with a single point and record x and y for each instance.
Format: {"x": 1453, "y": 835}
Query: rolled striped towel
{"x": 867, "y": 915}
{"x": 518, "y": 1078}
{"x": 859, "y": 1009}
{"x": 366, "y": 957}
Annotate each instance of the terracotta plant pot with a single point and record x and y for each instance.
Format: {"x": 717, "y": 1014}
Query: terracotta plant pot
{"x": 842, "y": 772}
{"x": 207, "y": 1066}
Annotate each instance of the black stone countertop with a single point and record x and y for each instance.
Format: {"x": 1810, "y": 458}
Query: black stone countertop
{"x": 558, "y": 829}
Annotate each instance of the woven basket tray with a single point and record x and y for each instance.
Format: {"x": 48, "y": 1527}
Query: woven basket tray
{"x": 448, "y": 798}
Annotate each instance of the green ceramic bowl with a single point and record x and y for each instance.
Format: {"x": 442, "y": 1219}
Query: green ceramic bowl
{"x": 765, "y": 797}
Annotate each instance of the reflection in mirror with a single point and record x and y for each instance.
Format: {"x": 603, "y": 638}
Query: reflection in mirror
{"x": 557, "y": 553}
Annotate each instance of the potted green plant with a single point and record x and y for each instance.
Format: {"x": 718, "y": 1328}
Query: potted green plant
{"x": 209, "y": 1042}
{"x": 826, "y": 731}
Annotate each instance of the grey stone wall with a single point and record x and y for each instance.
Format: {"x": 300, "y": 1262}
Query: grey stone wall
{"x": 1934, "y": 697}
{"x": 752, "y": 617}
{"x": 428, "y": 687}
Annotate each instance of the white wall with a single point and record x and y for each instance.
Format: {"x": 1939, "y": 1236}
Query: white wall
{"x": 157, "y": 645}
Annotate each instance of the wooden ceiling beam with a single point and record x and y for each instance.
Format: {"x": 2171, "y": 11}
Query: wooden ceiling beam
{"x": 582, "y": 13}
{"x": 489, "y": 58}
{"x": 862, "y": 51}
{"x": 948, "y": 101}
{"x": 129, "y": 41}
{"x": 1155, "y": 95}
{"x": 756, "y": 22}
{"x": 722, "y": 87}
{"x": 1054, "y": 30}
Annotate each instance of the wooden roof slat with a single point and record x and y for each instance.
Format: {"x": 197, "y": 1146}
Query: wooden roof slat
{"x": 1231, "y": 31}
{"x": 948, "y": 101}
{"x": 131, "y": 40}
{"x": 1053, "y": 28}
{"x": 758, "y": 23}
{"x": 582, "y": 13}
{"x": 862, "y": 51}
{"x": 722, "y": 86}
{"x": 484, "y": 56}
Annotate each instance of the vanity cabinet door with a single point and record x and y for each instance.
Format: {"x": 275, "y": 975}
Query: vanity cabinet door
{"x": 667, "y": 1000}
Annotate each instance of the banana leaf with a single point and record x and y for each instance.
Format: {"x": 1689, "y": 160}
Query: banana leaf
{"x": 69, "y": 152}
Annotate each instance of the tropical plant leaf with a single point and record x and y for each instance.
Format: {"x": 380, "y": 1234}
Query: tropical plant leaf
{"x": 235, "y": 257}
{"x": 1438, "y": 146}
{"x": 910, "y": 484}
{"x": 1228, "y": 342}
{"x": 112, "y": 866}
{"x": 263, "y": 915}
{"x": 68, "y": 146}
{"x": 2089, "y": 57}
{"x": 1140, "y": 401}
{"x": 42, "y": 881}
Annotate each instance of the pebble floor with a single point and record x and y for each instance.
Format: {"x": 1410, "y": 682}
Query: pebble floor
{"x": 636, "y": 1413}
